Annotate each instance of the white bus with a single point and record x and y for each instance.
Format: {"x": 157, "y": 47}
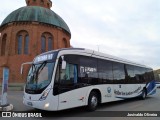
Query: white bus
{"x": 68, "y": 78}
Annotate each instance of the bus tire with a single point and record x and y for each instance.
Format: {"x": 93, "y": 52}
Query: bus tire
{"x": 144, "y": 94}
{"x": 92, "y": 101}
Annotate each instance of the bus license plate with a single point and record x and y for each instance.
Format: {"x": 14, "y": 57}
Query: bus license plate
{"x": 30, "y": 104}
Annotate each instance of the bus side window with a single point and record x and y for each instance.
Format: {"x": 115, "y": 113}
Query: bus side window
{"x": 130, "y": 76}
{"x": 105, "y": 72}
{"x": 57, "y": 74}
{"x": 69, "y": 75}
{"x": 88, "y": 73}
{"x": 118, "y": 73}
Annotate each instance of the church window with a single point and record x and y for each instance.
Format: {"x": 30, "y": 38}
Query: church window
{"x": 43, "y": 44}
{"x": 65, "y": 43}
{"x": 50, "y": 44}
{"x": 48, "y": 5}
{"x": 42, "y": 2}
{"x": 47, "y": 41}
{"x": 3, "y": 45}
{"x": 28, "y": 2}
{"x": 26, "y": 44}
{"x": 20, "y": 44}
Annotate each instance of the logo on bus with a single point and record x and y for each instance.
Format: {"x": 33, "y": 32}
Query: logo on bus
{"x": 109, "y": 89}
{"x": 109, "y": 92}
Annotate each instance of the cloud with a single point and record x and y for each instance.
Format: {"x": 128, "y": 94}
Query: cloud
{"x": 124, "y": 28}
{"x": 127, "y": 30}
{"x": 7, "y": 6}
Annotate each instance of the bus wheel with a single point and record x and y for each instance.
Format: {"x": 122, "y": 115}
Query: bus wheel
{"x": 144, "y": 94}
{"x": 92, "y": 101}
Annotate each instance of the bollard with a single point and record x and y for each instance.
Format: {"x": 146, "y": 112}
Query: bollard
{"x": 4, "y": 105}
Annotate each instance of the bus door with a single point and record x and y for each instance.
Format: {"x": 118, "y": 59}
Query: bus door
{"x": 69, "y": 95}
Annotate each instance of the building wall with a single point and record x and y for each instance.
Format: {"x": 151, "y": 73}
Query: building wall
{"x": 157, "y": 75}
{"x": 35, "y": 30}
{"x": 42, "y": 3}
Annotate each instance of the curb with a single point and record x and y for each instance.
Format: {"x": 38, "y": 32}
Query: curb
{"x": 6, "y": 108}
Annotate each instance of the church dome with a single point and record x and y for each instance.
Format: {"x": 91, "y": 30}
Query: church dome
{"x": 36, "y": 14}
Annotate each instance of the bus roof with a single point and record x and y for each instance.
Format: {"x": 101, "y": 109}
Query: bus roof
{"x": 97, "y": 55}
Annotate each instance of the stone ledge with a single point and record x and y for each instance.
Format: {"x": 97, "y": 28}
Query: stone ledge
{"x": 14, "y": 87}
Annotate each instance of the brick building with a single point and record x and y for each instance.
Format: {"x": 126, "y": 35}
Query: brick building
{"x": 27, "y": 32}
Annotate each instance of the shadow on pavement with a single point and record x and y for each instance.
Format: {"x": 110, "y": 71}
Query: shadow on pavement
{"x": 82, "y": 111}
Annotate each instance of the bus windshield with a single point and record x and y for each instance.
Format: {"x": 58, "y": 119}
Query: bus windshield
{"x": 39, "y": 76}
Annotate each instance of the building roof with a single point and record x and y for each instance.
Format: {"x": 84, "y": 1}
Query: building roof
{"x": 36, "y": 14}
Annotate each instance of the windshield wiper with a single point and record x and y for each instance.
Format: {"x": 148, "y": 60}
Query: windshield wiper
{"x": 42, "y": 66}
{"x": 33, "y": 70}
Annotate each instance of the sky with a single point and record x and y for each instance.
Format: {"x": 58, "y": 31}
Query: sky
{"x": 124, "y": 28}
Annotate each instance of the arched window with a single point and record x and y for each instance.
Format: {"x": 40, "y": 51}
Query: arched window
{"x": 42, "y": 2}
{"x": 26, "y": 44}
{"x": 28, "y": 2}
{"x": 43, "y": 44}
{"x": 50, "y": 44}
{"x": 3, "y": 45}
{"x": 65, "y": 43}
{"x": 20, "y": 44}
{"x": 47, "y": 41}
{"x": 48, "y": 5}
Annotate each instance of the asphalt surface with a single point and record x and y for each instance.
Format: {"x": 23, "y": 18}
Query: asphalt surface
{"x": 110, "y": 111}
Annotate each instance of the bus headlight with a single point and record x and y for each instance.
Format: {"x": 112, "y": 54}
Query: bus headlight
{"x": 46, "y": 105}
{"x": 44, "y": 95}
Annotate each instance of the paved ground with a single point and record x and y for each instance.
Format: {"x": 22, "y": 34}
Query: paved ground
{"x": 109, "y": 109}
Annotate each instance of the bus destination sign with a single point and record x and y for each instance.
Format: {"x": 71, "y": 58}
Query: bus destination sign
{"x": 43, "y": 58}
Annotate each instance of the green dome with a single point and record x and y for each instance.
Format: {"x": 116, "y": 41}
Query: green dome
{"x": 37, "y": 14}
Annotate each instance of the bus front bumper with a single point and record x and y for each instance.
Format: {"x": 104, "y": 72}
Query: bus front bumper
{"x": 42, "y": 105}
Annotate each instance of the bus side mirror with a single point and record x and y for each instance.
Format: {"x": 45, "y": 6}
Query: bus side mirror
{"x": 21, "y": 69}
{"x": 63, "y": 65}
{"x": 27, "y": 63}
